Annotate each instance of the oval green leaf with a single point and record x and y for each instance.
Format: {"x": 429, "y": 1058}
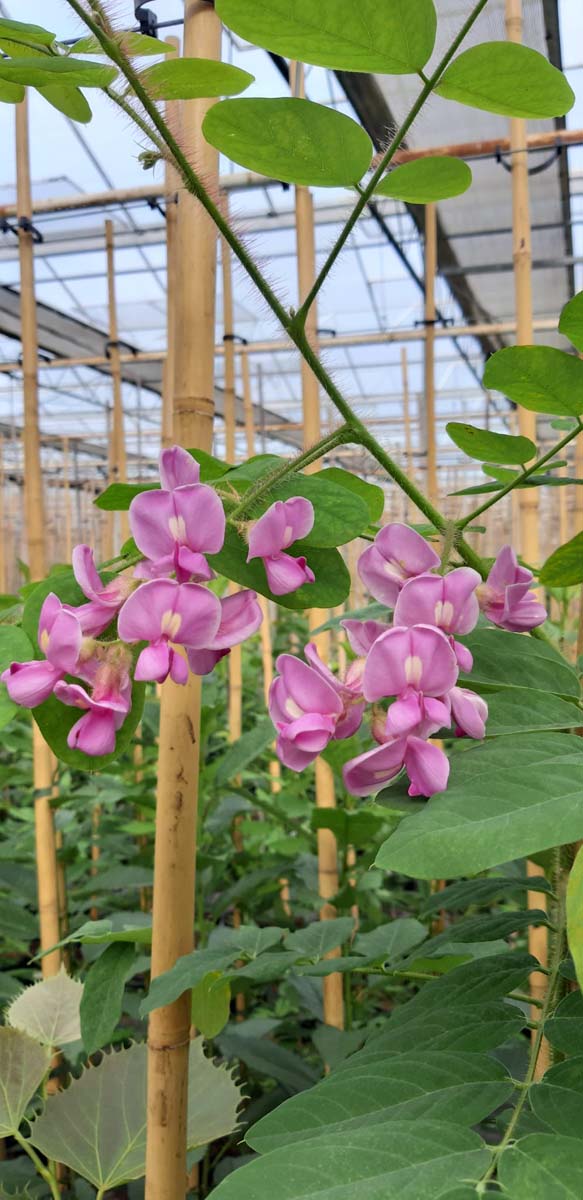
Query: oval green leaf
{"x": 43, "y": 70}
{"x": 539, "y": 378}
{"x": 426, "y": 180}
{"x": 193, "y": 78}
{"x": 392, "y": 37}
{"x": 487, "y": 446}
{"x": 25, "y": 35}
{"x": 68, "y": 100}
{"x": 135, "y": 45}
{"x": 507, "y": 78}
{"x": 11, "y": 93}
{"x": 330, "y": 589}
{"x": 575, "y": 914}
{"x": 571, "y": 321}
{"x": 564, "y": 567}
{"x": 293, "y": 140}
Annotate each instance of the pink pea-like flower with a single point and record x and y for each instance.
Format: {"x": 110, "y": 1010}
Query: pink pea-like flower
{"x": 60, "y": 638}
{"x": 506, "y": 597}
{"x": 305, "y": 710}
{"x": 163, "y": 612}
{"x": 426, "y": 765}
{"x": 363, "y": 634}
{"x": 286, "y": 522}
{"x": 398, "y": 553}
{"x": 348, "y": 690}
{"x": 176, "y": 526}
{"x": 105, "y": 600}
{"x": 241, "y": 616}
{"x": 105, "y": 709}
{"x": 417, "y": 659}
{"x": 446, "y": 601}
{"x": 469, "y": 712}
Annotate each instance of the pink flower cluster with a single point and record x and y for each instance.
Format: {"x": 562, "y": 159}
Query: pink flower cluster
{"x": 164, "y": 604}
{"x": 412, "y": 663}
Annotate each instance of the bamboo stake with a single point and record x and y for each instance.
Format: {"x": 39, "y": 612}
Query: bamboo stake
{"x": 117, "y": 523}
{"x": 172, "y": 184}
{"x": 407, "y": 425}
{"x": 430, "y": 314}
{"x": 527, "y": 497}
{"x": 46, "y": 856}
{"x": 67, "y": 500}
{"x": 3, "y": 529}
{"x": 325, "y": 797}
{"x": 177, "y": 795}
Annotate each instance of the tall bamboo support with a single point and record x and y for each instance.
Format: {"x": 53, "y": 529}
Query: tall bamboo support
{"x": 407, "y": 424}
{"x": 67, "y": 500}
{"x": 46, "y": 857}
{"x": 527, "y": 497}
{"x": 429, "y": 368}
{"x": 172, "y": 184}
{"x": 177, "y": 794}
{"x": 117, "y": 449}
{"x": 325, "y": 797}
{"x": 3, "y": 528}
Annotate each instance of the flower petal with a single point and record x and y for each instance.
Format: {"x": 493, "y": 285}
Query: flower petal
{"x": 94, "y": 734}
{"x": 178, "y": 668}
{"x": 241, "y": 616}
{"x": 200, "y": 518}
{"x": 363, "y": 634}
{"x": 449, "y": 601}
{"x": 266, "y": 536}
{"x": 202, "y": 662}
{"x": 85, "y": 572}
{"x": 177, "y": 468}
{"x": 30, "y": 683}
{"x": 142, "y": 615}
{"x": 469, "y": 711}
{"x": 152, "y": 518}
{"x": 153, "y": 663}
{"x": 64, "y": 641}
{"x": 370, "y": 771}
{"x": 306, "y": 689}
{"x": 286, "y": 574}
{"x": 427, "y": 767}
{"x": 299, "y": 520}
{"x": 420, "y": 657}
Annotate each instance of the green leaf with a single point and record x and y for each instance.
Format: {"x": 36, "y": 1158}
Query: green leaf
{"x": 507, "y": 78}
{"x": 121, "y": 927}
{"x": 523, "y": 710}
{"x": 11, "y": 93}
{"x": 427, "y": 180}
{"x": 293, "y": 140}
{"x": 504, "y": 801}
{"x": 485, "y": 445}
{"x": 486, "y": 927}
{"x": 571, "y": 321}
{"x": 330, "y": 589}
{"x": 463, "y": 1088}
{"x": 542, "y": 1166}
{"x": 246, "y": 940}
{"x": 392, "y": 39}
{"x": 539, "y": 378}
{"x": 101, "y": 1006}
{"x": 49, "y": 1011}
{"x": 373, "y": 496}
{"x": 245, "y": 750}
{"x": 211, "y": 1004}
{"x": 187, "y": 973}
{"x": 558, "y": 1098}
{"x": 192, "y": 78}
{"x": 388, "y": 942}
{"x": 565, "y": 1029}
{"x": 464, "y": 892}
{"x": 15, "y": 646}
{"x": 68, "y": 100}
{"x": 135, "y": 45}
{"x": 564, "y": 566}
{"x": 267, "y": 1058}
{"x": 23, "y": 1065}
{"x": 33, "y": 35}
{"x": 412, "y": 1161}
{"x": 319, "y": 938}
{"x": 341, "y": 512}
{"x": 358, "y": 828}
{"x": 504, "y": 659}
{"x": 42, "y": 71}
{"x": 575, "y": 914}
{"x": 97, "y": 1127}
{"x": 118, "y": 496}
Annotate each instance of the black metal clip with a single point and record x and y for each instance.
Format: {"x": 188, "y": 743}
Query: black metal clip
{"x": 26, "y": 224}
{"x": 116, "y": 344}
{"x": 147, "y": 20}
{"x": 506, "y": 160}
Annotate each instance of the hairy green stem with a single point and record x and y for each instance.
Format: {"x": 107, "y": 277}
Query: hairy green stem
{"x": 525, "y": 474}
{"x": 291, "y": 467}
{"x": 42, "y": 1170}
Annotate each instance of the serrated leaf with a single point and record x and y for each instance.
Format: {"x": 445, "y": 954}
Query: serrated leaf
{"x": 540, "y": 378}
{"x": 245, "y": 750}
{"x": 68, "y": 100}
{"x": 392, "y": 39}
{"x": 505, "y": 800}
{"x": 23, "y": 1065}
{"x": 571, "y": 321}
{"x": 192, "y": 78}
{"x": 41, "y": 71}
{"x": 463, "y": 1088}
{"x": 102, "y": 1002}
{"x": 564, "y": 566}
{"x": 413, "y": 1161}
{"x": 426, "y": 180}
{"x": 507, "y": 78}
{"x": 98, "y": 1125}
{"x": 558, "y": 1098}
{"x": 485, "y": 445}
{"x": 542, "y": 1166}
{"x": 49, "y": 1011}
{"x": 294, "y": 140}
{"x": 211, "y": 1004}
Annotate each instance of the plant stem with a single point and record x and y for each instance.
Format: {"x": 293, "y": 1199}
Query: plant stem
{"x": 526, "y": 473}
{"x": 367, "y": 192}
{"x": 43, "y": 1171}
{"x": 291, "y": 467}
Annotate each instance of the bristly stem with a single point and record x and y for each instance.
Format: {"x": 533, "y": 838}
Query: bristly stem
{"x": 339, "y": 437}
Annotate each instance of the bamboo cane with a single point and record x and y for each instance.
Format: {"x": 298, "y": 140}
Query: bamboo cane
{"x": 325, "y": 797}
{"x": 527, "y": 497}
{"x": 172, "y": 184}
{"x": 177, "y": 794}
{"x": 117, "y": 450}
{"x": 407, "y": 425}
{"x": 46, "y": 857}
{"x": 3, "y": 529}
{"x": 67, "y": 500}
{"x": 429, "y": 369}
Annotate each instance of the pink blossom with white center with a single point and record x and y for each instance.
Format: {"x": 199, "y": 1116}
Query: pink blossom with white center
{"x": 305, "y": 709}
{"x": 418, "y": 659}
{"x": 348, "y": 690}
{"x": 164, "y": 612}
{"x": 106, "y": 708}
{"x": 60, "y": 638}
{"x": 506, "y": 597}
{"x": 363, "y": 634}
{"x": 241, "y": 617}
{"x": 286, "y": 522}
{"x": 178, "y": 525}
{"x": 447, "y": 601}
{"x": 398, "y": 553}
{"x": 105, "y": 600}
{"x": 426, "y": 765}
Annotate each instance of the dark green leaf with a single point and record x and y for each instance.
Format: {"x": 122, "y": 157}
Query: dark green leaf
{"x": 564, "y": 567}
{"x": 388, "y": 942}
{"x": 332, "y": 578}
{"x": 523, "y": 710}
{"x": 11, "y": 93}
{"x": 394, "y": 39}
{"x": 539, "y": 378}
{"x": 426, "y": 180}
{"x": 192, "y": 78}
{"x": 542, "y": 1167}
{"x": 571, "y": 321}
{"x": 358, "y": 828}
{"x": 118, "y": 496}
{"x": 575, "y": 914}
{"x": 319, "y": 938}
{"x": 371, "y": 493}
{"x": 243, "y": 752}
{"x": 68, "y": 100}
{"x": 558, "y": 1098}
{"x": 267, "y": 1058}
{"x": 102, "y": 1000}
{"x": 507, "y": 78}
{"x": 466, "y": 892}
{"x": 485, "y": 445}
{"x": 504, "y": 659}
{"x": 290, "y": 139}
{"x": 565, "y": 1029}
{"x": 44, "y": 70}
